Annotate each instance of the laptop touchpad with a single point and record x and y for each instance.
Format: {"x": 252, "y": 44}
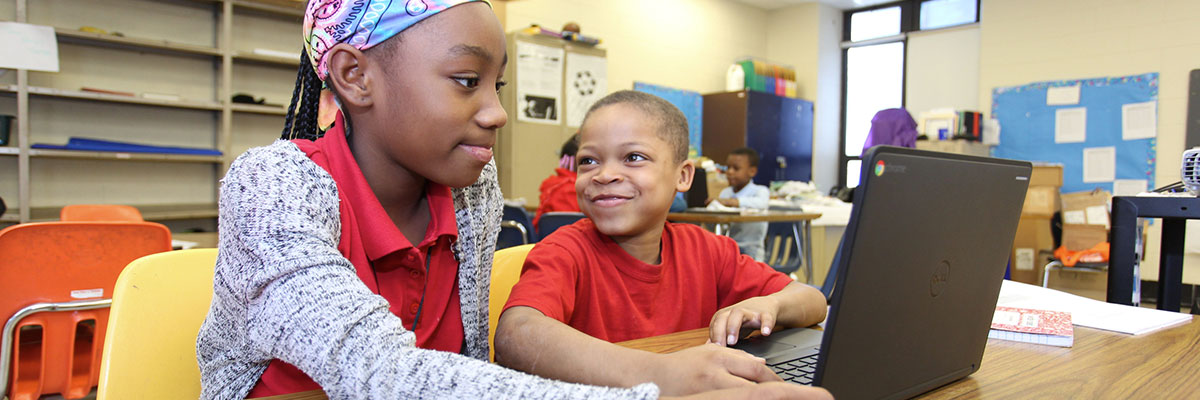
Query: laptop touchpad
{"x": 762, "y": 348}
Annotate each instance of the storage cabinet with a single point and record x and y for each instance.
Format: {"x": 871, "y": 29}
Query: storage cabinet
{"x": 779, "y": 128}
{"x": 174, "y": 66}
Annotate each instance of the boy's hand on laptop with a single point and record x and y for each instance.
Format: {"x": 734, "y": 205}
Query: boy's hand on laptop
{"x": 709, "y": 367}
{"x": 755, "y": 312}
{"x": 764, "y": 391}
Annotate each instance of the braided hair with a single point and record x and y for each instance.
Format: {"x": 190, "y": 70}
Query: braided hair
{"x": 301, "y": 119}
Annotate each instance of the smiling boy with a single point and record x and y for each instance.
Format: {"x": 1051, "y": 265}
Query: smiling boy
{"x": 626, "y": 273}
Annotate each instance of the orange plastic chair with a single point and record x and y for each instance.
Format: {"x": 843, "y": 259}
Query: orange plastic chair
{"x": 100, "y": 212}
{"x": 58, "y": 282}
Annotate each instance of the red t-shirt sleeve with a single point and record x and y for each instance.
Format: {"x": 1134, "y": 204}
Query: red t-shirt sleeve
{"x": 740, "y": 277}
{"x": 547, "y": 282}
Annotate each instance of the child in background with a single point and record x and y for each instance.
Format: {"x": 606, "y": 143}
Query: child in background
{"x": 626, "y": 273}
{"x": 742, "y": 164}
{"x": 558, "y": 190}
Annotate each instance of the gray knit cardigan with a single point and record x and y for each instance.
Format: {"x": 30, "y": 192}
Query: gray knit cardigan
{"x": 282, "y": 290}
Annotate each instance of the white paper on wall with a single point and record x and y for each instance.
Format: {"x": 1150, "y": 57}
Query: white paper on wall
{"x": 1129, "y": 187}
{"x": 1099, "y": 164}
{"x": 30, "y": 47}
{"x": 1070, "y": 125}
{"x": 539, "y": 83}
{"x": 1062, "y": 96}
{"x": 587, "y": 81}
{"x": 1139, "y": 121}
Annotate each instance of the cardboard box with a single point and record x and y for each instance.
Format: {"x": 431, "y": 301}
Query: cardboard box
{"x": 1092, "y": 284}
{"x": 1040, "y": 201}
{"x": 1082, "y": 237}
{"x": 1046, "y": 175}
{"x": 1086, "y": 207}
{"x": 1032, "y": 249}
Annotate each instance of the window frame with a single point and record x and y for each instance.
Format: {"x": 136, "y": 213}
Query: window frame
{"x": 910, "y": 21}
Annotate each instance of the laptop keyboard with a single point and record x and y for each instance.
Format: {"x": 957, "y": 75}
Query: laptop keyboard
{"x": 799, "y": 370}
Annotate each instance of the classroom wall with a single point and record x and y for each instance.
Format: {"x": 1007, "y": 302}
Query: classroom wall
{"x": 685, "y": 44}
{"x": 1023, "y": 41}
{"x": 689, "y": 44}
{"x": 806, "y": 37}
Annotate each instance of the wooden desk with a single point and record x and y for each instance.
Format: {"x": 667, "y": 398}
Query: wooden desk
{"x": 801, "y": 227}
{"x": 1102, "y": 365}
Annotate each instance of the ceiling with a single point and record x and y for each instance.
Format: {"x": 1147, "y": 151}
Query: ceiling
{"x": 839, "y": 4}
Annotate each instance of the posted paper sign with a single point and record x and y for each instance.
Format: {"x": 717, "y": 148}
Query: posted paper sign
{"x": 1070, "y": 125}
{"x": 31, "y": 47}
{"x": 1099, "y": 164}
{"x": 1062, "y": 96}
{"x": 1129, "y": 187}
{"x": 1139, "y": 121}
{"x": 587, "y": 81}
{"x": 539, "y": 83}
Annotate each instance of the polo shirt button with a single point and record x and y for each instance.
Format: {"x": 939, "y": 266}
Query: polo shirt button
{"x": 414, "y": 307}
{"x": 414, "y": 274}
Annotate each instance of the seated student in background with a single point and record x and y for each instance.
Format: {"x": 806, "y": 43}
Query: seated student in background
{"x": 626, "y": 273}
{"x": 742, "y": 192}
{"x": 558, "y": 190}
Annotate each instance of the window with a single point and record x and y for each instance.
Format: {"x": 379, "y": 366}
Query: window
{"x": 873, "y": 55}
{"x": 945, "y": 13}
{"x": 874, "y": 81}
{"x": 875, "y": 24}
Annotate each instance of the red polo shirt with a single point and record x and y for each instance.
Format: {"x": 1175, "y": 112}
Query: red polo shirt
{"x": 385, "y": 260}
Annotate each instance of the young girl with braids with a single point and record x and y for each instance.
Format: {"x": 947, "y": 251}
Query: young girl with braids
{"x": 355, "y": 254}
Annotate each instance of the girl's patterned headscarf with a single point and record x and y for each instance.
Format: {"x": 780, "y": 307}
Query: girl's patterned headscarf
{"x": 361, "y": 23}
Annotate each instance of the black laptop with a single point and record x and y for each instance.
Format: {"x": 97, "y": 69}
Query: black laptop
{"x": 923, "y": 258}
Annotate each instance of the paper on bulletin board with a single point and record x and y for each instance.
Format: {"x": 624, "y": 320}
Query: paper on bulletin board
{"x": 1129, "y": 187}
{"x": 1099, "y": 164}
{"x": 1070, "y": 125}
{"x": 30, "y": 47}
{"x": 587, "y": 81}
{"x": 1062, "y": 96}
{"x": 539, "y": 83}
{"x": 1138, "y": 121}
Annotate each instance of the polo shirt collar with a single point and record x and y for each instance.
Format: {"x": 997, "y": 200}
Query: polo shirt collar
{"x": 379, "y": 235}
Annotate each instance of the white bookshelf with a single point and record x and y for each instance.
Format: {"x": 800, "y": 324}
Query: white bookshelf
{"x": 156, "y": 72}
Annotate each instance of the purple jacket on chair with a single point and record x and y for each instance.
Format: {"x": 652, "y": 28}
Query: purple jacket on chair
{"x": 893, "y": 127}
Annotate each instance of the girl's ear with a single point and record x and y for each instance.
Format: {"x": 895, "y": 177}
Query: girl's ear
{"x": 348, "y": 75}
{"x": 687, "y": 171}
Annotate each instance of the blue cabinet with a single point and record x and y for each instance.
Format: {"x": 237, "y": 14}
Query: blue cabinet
{"x": 779, "y": 128}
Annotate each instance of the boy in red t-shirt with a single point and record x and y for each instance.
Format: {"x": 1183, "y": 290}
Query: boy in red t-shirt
{"x": 626, "y": 273}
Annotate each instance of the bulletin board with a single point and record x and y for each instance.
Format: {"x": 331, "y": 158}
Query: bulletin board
{"x": 1102, "y": 136}
{"x": 692, "y": 105}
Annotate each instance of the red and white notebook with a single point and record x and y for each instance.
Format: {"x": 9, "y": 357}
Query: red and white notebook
{"x": 1033, "y": 326}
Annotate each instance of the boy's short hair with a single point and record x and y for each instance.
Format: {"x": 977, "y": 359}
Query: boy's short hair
{"x": 672, "y": 125}
{"x": 750, "y": 154}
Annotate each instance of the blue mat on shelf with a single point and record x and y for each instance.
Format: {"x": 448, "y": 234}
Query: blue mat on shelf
{"x": 85, "y": 144}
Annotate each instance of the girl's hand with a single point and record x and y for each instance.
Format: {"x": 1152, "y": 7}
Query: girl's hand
{"x": 708, "y": 367}
{"x": 763, "y": 391}
{"x": 756, "y": 312}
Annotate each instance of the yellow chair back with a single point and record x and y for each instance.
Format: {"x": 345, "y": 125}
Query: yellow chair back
{"x": 506, "y": 269}
{"x": 159, "y": 302}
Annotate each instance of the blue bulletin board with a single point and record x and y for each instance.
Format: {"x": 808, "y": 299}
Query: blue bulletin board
{"x": 1028, "y": 127}
{"x": 692, "y": 105}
